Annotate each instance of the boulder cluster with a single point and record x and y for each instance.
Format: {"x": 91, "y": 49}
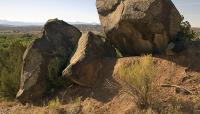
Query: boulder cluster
{"x": 133, "y": 27}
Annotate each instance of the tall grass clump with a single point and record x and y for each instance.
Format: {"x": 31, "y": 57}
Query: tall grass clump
{"x": 139, "y": 76}
{"x": 54, "y": 104}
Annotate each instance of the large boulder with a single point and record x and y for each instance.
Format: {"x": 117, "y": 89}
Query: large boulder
{"x": 139, "y": 26}
{"x": 46, "y": 57}
{"x": 86, "y": 63}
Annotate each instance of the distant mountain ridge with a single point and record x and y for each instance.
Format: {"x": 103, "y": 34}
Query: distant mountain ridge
{"x": 20, "y": 23}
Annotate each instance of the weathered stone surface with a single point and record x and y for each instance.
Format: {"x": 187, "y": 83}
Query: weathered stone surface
{"x": 46, "y": 57}
{"x": 139, "y": 26}
{"x": 86, "y": 62}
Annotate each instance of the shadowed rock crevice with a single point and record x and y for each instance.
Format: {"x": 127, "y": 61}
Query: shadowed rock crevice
{"x": 189, "y": 57}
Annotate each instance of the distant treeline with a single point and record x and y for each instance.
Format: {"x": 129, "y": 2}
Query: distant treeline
{"x": 16, "y": 29}
{"x": 195, "y": 29}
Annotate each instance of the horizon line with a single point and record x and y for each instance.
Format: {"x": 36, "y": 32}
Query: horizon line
{"x": 25, "y": 21}
{"x": 40, "y": 23}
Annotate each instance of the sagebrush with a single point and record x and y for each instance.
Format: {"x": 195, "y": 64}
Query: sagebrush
{"x": 139, "y": 76}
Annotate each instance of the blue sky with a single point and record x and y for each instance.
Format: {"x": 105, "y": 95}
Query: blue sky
{"x": 75, "y": 10}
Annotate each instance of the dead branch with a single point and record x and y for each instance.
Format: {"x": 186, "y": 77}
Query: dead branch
{"x": 182, "y": 89}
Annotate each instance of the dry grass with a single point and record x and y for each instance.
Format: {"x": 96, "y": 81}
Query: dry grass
{"x": 139, "y": 77}
{"x": 54, "y": 104}
{"x": 76, "y": 101}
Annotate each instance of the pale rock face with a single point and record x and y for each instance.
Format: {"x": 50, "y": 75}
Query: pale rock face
{"x": 139, "y": 26}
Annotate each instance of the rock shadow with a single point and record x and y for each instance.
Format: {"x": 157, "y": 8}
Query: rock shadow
{"x": 190, "y": 57}
{"x": 104, "y": 89}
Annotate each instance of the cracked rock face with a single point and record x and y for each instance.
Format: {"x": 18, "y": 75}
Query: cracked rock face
{"x": 139, "y": 26}
{"x": 45, "y": 58}
{"x": 86, "y": 63}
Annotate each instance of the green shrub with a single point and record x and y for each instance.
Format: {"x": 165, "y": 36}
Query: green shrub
{"x": 139, "y": 77}
{"x": 55, "y": 69}
{"x": 11, "y": 52}
{"x": 11, "y": 61}
{"x": 186, "y": 33}
{"x": 198, "y": 36}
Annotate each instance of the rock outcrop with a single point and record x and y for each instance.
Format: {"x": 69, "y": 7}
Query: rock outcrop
{"x": 139, "y": 26}
{"x": 46, "y": 57}
{"x": 87, "y": 60}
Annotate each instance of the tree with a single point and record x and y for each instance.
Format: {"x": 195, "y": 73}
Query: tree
{"x": 186, "y": 33}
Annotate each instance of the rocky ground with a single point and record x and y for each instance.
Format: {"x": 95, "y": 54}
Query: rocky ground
{"x": 109, "y": 97}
